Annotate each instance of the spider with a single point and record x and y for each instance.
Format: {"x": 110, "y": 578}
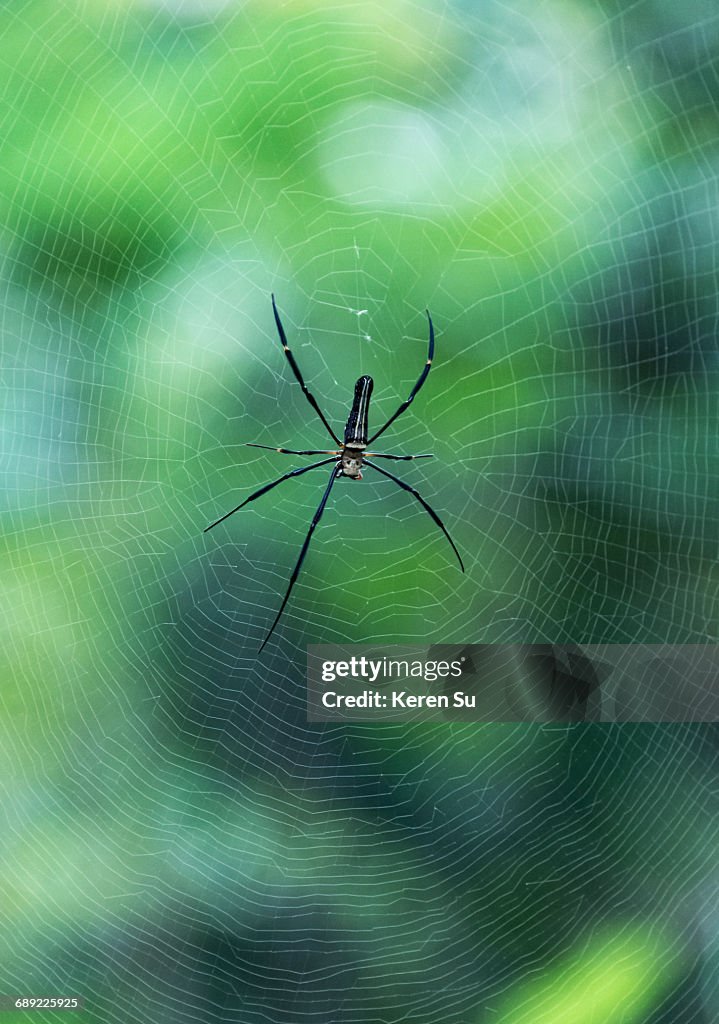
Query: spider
{"x": 348, "y": 458}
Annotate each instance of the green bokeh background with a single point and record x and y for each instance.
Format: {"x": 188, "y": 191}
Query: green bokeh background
{"x": 180, "y": 844}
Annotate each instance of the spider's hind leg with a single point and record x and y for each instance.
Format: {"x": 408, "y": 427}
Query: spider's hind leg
{"x": 298, "y": 376}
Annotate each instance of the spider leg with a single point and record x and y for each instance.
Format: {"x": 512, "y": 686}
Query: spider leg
{"x": 418, "y": 385}
{"x": 397, "y": 458}
{"x": 266, "y": 488}
{"x": 296, "y": 571}
{"x": 423, "y": 503}
{"x": 288, "y": 451}
{"x": 298, "y": 376}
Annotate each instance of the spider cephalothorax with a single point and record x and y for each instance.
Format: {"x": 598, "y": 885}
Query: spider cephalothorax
{"x": 348, "y": 458}
{"x": 351, "y": 462}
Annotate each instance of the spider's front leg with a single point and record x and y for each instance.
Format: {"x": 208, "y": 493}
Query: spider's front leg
{"x": 266, "y": 488}
{"x": 425, "y": 505}
{"x": 336, "y": 471}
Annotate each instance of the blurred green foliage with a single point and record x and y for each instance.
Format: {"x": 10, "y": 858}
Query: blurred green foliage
{"x": 180, "y": 844}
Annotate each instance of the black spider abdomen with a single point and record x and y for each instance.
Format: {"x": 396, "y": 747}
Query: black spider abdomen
{"x": 356, "y": 429}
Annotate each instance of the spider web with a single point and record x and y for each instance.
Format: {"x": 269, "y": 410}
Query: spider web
{"x": 181, "y": 845}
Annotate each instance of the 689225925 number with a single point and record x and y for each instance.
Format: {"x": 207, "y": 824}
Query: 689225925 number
{"x": 41, "y": 1003}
